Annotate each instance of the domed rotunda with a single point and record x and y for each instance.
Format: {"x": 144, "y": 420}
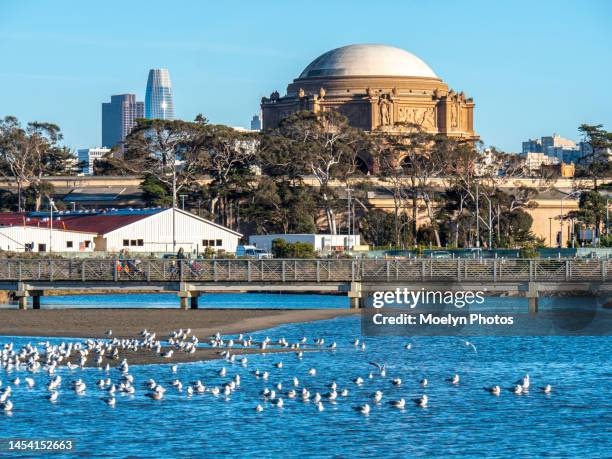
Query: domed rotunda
{"x": 378, "y": 88}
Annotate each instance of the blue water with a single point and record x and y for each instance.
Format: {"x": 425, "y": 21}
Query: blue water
{"x": 212, "y": 300}
{"x": 464, "y": 421}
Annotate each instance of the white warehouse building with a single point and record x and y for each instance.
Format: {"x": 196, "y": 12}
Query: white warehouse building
{"x": 138, "y": 231}
{"x": 320, "y": 242}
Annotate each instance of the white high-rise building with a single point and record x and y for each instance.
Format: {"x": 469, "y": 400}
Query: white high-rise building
{"x": 87, "y": 156}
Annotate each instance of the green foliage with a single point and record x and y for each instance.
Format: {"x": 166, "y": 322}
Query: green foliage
{"x": 155, "y": 192}
{"x": 377, "y": 228}
{"x": 284, "y": 249}
{"x": 596, "y": 163}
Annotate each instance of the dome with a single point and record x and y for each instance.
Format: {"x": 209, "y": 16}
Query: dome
{"x": 367, "y": 60}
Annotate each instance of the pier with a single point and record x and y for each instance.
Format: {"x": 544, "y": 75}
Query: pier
{"x": 356, "y": 278}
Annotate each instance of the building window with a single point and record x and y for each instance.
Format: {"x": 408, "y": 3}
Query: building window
{"x": 69, "y": 244}
{"x": 219, "y": 242}
{"x": 126, "y": 242}
{"x": 87, "y": 244}
{"x": 140, "y": 242}
{"x": 42, "y": 247}
{"x": 133, "y": 242}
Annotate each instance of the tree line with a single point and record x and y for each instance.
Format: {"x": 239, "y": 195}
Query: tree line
{"x": 314, "y": 172}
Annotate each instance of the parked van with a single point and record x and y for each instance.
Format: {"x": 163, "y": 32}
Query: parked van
{"x": 252, "y": 252}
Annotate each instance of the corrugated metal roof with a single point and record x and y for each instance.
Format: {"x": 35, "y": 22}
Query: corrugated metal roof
{"x": 97, "y": 223}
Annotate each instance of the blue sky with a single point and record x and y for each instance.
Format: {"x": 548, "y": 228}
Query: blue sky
{"x": 533, "y": 68}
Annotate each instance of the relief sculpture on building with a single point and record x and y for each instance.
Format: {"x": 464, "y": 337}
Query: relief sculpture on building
{"x": 422, "y": 116}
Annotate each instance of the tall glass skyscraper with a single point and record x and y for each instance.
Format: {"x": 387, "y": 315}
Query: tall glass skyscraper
{"x": 158, "y": 99}
{"x": 119, "y": 117}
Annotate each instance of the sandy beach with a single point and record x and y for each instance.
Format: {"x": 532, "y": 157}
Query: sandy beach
{"x": 127, "y": 323}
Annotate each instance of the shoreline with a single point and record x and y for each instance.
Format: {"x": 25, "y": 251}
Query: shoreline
{"x": 127, "y": 323}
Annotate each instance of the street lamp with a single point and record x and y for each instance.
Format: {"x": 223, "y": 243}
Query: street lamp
{"x": 182, "y": 200}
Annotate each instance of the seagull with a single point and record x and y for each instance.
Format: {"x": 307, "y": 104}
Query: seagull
{"x": 358, "y": 380}
{"x": 222, "y": 372}
{"x": 7, "y": 406}
{"x": 494, "y": 390}
{"x": 365, "y": 409}
{"x": 279, "y": 403}
{"x": 174, "y": 368}
{"x": 518, "y": 389}
{"x": 454, "y": 380}
{"x": 312, "y": 372}
{"x": 424, "y": 382}
{"x": 525, "y": 382}
{"x": 468, "y": 343}
{"x": 279, "y": 365}
{"x": 29, "y": 382}
{"x": 396, "y": 381}
{"x": 381, "y": 368}
{"x": 421, "y": 402}
{"x": 111, "y": 402}
{"x": 259, "y": 408}
{"x": 401, "y": 403}
{"x": 53, "y": 396}
{"x": 320, "y": 406}
{"x": 378, "y": 396}
{"x": 547, "y": 389}
{"x": 109, "y": 333}
{"x": 408, "y": 346}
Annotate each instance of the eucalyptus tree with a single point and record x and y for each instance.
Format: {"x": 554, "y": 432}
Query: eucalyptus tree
{"x": 28, "y": 154}
{"x": 320, "y": 145}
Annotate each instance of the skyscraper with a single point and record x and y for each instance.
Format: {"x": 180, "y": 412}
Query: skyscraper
{"x": 158, "y": 99}
{"x": 119, "y": 117}
{"x": 255, "y": 123}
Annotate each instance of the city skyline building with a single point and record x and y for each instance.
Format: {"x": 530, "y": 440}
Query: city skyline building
{"x": 119, "y": 118}
{"x": 88, "y": 156}
{"x": 256, "y": 123}
{"x": 159, "y": 102}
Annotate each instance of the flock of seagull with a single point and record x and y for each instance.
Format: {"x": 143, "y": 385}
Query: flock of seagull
{"x": 46, "y": 358}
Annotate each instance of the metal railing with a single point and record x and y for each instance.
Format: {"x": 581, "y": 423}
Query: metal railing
{"x": 307, "y": 270}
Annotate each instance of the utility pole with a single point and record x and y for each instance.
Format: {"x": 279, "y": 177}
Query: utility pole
{"x": 477, "y": 218}
{"x": 50, "y": 224}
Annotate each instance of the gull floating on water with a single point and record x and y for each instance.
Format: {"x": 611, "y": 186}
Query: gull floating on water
{"x": 494, "y": 390}
{"x": 424, "y": 382}
{"x": 547, "y": 389}
{"x": 421, "y": 402}
{"x": 401, "y": 403}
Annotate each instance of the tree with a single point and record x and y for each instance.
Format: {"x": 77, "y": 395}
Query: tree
{"x": 408, "y": 160}
{"x": 596, "y": 163}
{"x": 31, "y": 153}
{"x": 592, "y": 207}
{"x": 228, "y": 158}
{"x": 281, "y": 208}
{"x": 169, "y": 150}
{"x": 322, "y": 145}
{"x": 377, "y": 228}
{"x": 284, "y": 249}
{"x": 155, "y": 192}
